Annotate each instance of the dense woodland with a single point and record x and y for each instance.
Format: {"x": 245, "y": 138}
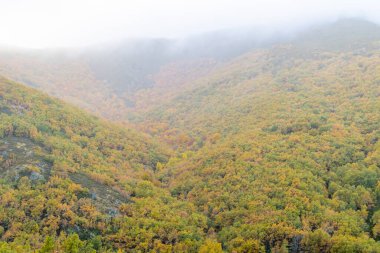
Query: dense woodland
{"x": 276, "y": 150}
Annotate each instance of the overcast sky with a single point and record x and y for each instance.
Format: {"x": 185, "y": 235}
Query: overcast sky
{"x": 67, "y": 23}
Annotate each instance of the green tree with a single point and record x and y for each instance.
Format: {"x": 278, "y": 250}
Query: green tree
{"x": 72, "y": 244}
{"x": 48, "y": 246}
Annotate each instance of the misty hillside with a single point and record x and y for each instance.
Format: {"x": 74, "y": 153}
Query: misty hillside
{"x": 232, "y": 141}
{"x": 115, "y": 72}
{"x": 280, "y": 144}
{"x": 343, "y": 35}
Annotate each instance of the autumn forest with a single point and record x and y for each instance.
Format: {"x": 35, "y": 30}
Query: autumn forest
{"x": 241, "y": 146}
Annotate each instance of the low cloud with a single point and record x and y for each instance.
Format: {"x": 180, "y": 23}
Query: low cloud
{"x": 77, "y": 23}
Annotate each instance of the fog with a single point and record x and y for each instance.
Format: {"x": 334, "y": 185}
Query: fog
{"x": 78, "y": 23}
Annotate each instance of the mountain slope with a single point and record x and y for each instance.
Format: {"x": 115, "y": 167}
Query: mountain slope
{"x": 66, "y": 172}
{"x": 276, "y": 150}
{"x": 281, "y": 147}
{"x": 268, "y": 80}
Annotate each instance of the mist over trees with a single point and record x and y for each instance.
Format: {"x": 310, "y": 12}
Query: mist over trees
{"x": 228, "y": 141}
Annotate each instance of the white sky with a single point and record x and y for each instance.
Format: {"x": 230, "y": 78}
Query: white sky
{"x": 66, "y": 23}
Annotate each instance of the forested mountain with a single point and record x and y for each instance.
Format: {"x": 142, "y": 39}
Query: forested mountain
{"x": 281, "y": 144}
{"x": 271, "y": 147}
{"x": 65, "y": 173}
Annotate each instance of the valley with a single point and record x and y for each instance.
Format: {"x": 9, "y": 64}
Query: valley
{"x": 237, "y": 146}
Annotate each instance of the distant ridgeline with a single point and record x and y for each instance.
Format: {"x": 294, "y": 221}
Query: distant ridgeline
{"x": 275, "y": 150}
